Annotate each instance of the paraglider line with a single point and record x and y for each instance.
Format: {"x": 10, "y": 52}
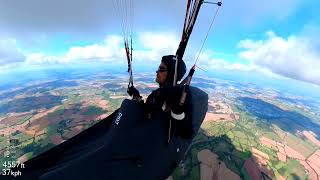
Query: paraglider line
{"x": 214, "y": 17}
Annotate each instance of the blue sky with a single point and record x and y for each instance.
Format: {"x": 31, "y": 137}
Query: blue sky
{"x": 277, "y": 39}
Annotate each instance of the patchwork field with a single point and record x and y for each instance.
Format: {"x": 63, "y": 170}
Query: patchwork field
{"x": 248, "y": 133}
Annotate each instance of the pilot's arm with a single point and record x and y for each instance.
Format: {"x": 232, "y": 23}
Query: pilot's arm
{"x": 179, "y": 116}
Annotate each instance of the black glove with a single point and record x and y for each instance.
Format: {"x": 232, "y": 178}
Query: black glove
{"x": 174, "y": 100}
{"x": 132, "y": 91}
{"x": 178, "y": 109}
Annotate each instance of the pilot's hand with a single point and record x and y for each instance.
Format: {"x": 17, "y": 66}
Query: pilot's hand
{"x": 174, "y": 101}
{"x": 132, "y": 91}
{"x": 178, "y": 109}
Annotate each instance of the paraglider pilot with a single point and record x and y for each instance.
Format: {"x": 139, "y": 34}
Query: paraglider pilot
{"x": 167, "y": 97}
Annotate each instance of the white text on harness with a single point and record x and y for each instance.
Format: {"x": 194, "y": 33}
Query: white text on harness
{"x": 118, "y": 118}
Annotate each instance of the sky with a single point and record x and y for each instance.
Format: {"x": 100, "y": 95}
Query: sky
{"x": 279, "y": 39}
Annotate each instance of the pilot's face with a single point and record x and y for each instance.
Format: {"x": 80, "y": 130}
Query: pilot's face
{"x": 162, "y": 73}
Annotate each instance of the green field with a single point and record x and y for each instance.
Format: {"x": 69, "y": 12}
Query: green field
{"x": 232, "y": 142}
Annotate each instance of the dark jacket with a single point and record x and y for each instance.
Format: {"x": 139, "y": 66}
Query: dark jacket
{"x": 155, "y": 102}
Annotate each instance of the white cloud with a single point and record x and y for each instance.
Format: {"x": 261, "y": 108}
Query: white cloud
{"x": 9, "y": 52}
{"x": 208, "y": 61}
{"x": 39, "y": 58}
{"x": 296, "y": 57}
{"x": 108, "y": 50}
{"x": 34, "y": 22}
{"x": 163, "y": 40}
{"x": 223, "y": 64}
{"x": 150, "y": 47}
{"x": 155, "y": 45}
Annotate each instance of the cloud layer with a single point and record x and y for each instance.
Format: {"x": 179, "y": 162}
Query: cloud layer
{"x": 9, "y": 53}
{"x": 148, "y": 48}
{"x": 27, "y": 20}
{"x": 296, "y": 57}
{"x": 91, "y": 17}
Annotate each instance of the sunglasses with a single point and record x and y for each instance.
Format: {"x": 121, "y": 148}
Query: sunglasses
{"x": 162, "y": 69}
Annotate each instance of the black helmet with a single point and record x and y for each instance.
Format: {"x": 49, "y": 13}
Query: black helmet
{"x": 170, "y": 62}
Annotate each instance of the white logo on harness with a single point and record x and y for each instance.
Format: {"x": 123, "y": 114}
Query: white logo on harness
{"x": 118, "y": 118}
